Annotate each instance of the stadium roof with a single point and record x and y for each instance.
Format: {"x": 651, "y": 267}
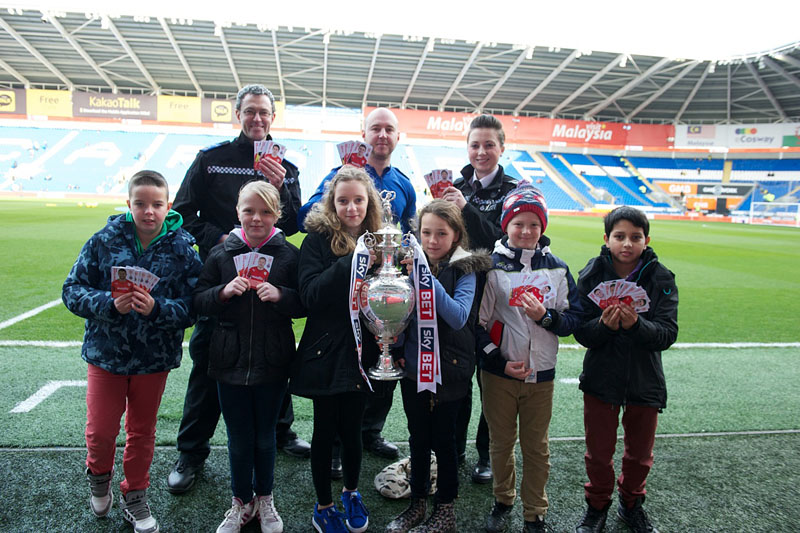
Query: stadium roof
{"x": 338, "y": 68}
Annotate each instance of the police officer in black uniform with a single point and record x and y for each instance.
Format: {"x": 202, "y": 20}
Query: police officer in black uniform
{"x": 207, "y": 201}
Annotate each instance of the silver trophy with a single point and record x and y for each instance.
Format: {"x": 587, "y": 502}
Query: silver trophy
{"x": 386, "y": 298}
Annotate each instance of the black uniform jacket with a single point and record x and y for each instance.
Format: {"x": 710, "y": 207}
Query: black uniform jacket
{"x": 208, "y": 194}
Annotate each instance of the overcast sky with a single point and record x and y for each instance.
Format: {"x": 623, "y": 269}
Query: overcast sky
{"x": 690, "y": 29}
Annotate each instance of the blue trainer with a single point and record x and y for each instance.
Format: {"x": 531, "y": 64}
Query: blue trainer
{"x": 328, "y": 520}
{"x": 357, "y": 515}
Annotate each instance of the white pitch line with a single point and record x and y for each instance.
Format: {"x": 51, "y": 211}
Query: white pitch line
{"x": 43, "y": 393}
{"x": 28, "y": 314}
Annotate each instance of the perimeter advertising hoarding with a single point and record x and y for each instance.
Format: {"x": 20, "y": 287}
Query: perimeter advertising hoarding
{"x": 738, "y": 136}
{"x": 12, "y": 102}
{"x": 218, "y": 111}
{"x": 710, "y": 189}
{"x": 185, "y": 109}
{"x": 107, "y": 105}
{"x": 530, "y": 130}
{"x": 47, "y": 103}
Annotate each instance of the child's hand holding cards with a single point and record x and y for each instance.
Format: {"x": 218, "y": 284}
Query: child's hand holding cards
{"x": 534, "y": 283}
{"x": 125, "y": 278}
{"x": 253, "y": 266}
{"x": 438, "y": 180}
{"x": 619, "y": 291}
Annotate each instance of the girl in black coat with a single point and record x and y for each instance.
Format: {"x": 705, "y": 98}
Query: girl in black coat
{"x": 251, "y": 347}
{"x": 326, "y": 368}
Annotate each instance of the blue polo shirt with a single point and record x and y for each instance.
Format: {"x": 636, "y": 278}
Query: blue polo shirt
{"x": 404, "y": 205}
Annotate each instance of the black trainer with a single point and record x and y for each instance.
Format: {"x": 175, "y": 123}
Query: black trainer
{"x": 497, "y": 520}
{"x": 635, "y": 517}
{"x": 535, "y": 526}
{"x": 183, "y": 474}
{"x": 295, "y": 446}
{"x": 482, "y": 472}
{"x": 594, "y": 520}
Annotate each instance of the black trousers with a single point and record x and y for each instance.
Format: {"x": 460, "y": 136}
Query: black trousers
{"x": 201, "y": 408}
{"x": 337, "y": 415}
{"x": 432, "y": 428}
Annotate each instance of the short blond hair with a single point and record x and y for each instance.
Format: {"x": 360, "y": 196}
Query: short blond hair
{"x": 264, "y": 190}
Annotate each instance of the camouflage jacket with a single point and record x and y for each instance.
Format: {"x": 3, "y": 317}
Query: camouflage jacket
{"x": 133, "y": 344}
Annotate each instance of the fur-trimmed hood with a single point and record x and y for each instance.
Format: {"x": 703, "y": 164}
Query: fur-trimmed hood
{"x": 316, "y": 221}
{"x": 469, "y": 261}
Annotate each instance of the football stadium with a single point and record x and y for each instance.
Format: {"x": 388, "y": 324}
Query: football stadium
{"x": 705, "y": 143}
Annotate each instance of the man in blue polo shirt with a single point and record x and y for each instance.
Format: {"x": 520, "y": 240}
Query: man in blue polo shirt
{"x": 382, "y": 133}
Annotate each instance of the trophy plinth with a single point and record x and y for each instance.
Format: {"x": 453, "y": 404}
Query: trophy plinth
{"x": 386, "y": 299}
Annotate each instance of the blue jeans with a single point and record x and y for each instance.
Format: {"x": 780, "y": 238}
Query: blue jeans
{"x": 251, "y": 412}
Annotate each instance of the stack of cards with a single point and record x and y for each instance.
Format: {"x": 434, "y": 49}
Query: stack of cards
{"x": 253, "y": 266}
{"x": 534, "y": 283}
{"x": 618, "y": 291}
{"x": 438, "y": 180}
{"x": 354, "y": 153}
{"x": 268, "y": 149}
{"x": 123, "y": 279}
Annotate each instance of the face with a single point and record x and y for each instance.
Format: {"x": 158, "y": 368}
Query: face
{"x": 626, "y": 242}
{"x": 256, "y": 218}
{"x": 122, "y": 275}
{"x": 484, "y": 150}
{"x": 255, "y": 116}
{"x": 382, "y": 133}
{"x": 149, "y": 206}
{"x": 351, "y": 200}
{"x": 437, "y": 236}
{"x": 524, "y": 230}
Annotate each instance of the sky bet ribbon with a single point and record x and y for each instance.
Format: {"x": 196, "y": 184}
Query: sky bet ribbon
{"x": 429, "y": 370}
{"x": 358, "y": 271}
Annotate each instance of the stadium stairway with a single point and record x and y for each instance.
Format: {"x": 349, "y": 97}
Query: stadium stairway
{"x": 634, "y": 194}
{"x": 559, "y": 180}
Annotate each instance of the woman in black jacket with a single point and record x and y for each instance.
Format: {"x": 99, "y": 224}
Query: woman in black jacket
{"x": 252, "y": 346}
{"x": 327, "y": 365}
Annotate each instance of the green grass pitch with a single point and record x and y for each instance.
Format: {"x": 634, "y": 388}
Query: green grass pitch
{"x": 738, "y": 284}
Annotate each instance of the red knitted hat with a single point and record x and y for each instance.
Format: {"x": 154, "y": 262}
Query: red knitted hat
{"x": 525, "y": 197}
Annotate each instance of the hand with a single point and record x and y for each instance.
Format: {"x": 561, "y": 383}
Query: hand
{"x": 373, "y": 258}
{"x": 532, "y": 306}
{"x": 142, "y": 302}
{"x": 267, "y": 292}
{"x": 408, "y": 261}
{"x": 451, "y": 194}
{"x": 401, "y": 362}
{"x": 235, "y": 287}
{"x": 611, "y": 317}
{"x": 123, "y": 302}
{"x": 627, "y": 316}
{"x": 274, "y": 172}
{"x": 516, "y": 369}
{"x": 223, "y": 238}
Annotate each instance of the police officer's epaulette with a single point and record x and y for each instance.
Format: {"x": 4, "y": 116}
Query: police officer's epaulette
{"x": 208, "y": 148}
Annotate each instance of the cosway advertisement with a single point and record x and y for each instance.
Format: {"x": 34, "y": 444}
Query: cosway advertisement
{"x": 738, "y": 136}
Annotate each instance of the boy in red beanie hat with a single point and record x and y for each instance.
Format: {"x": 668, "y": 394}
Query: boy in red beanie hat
{"x": 519, "y": 326}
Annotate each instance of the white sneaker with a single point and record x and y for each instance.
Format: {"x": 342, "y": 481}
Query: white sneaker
{"x": 102, "y": 497}
{"x": 268, "y": 516}
{"x": 136, "y": 510}
{"x": 238, "y": 515}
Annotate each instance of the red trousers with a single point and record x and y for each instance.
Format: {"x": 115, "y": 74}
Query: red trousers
{"x": 600, "y": 422}
{"x": 108, "y": 397}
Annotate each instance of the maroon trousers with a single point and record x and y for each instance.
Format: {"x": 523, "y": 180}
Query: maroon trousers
{"x": 600, "y": 421}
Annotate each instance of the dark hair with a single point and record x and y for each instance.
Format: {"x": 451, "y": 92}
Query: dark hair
{"x": 631, "y": 214}
{"x": 451, "y": 214}
{"x": 488, "y": 121}
{"x": 256, "y": 89}
{"x": 147, "y": 177}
